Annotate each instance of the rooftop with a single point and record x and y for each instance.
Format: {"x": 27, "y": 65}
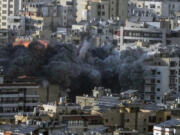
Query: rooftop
{"x": 21, "y": 129}
{"x": 169, "y": 123}
{"x": 81, "y": 117}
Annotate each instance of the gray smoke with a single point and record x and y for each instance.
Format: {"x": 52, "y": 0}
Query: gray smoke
{"x": 79, "y": 69}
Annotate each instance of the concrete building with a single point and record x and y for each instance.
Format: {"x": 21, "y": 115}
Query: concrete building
{"x": 85, "y": 101}
{"x": 156, "y": 83}
{"x": 98, "y": 93}
{"x": 134, "y": 117}
{"x": 109, "y": 9}
{"x": 81, "y": 10}
{"x": 162, "y": 78}
{"x": 67, "y": 12}
{"x": 81, "y": 123}
{"x": 67, "y": 108}
{"x": 170, "y": 127}
{"x": 149, "y": 116}
{"x": 159, "y": 7}
{"x": 9, "y": 8}
{"x": 4, "y": 37}
{"x": 147, "y": 35}
{"x": 17, "y": 98}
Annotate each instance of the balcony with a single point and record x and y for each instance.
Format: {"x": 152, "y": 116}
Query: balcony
{"x": 11, "y": 95}
{"x": 11, "y": 104}
{"x": 5, "y": 114}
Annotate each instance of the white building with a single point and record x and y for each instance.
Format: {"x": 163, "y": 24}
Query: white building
{"x": 170, "y": 127}
{"x": 162, "y": 77}
{"x": 9, "y": 8}
{"x": 81, "y": 10}
{"x": 156, "y": 83}
{"x": 81, "y": 123}
{"x": 159, "y": 7}
{"x": 132, "y": 34}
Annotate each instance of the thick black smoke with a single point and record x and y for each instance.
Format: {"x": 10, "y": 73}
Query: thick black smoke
{"x": 77, "y": 68}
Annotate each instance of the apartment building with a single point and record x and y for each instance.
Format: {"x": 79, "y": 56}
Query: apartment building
{"x": 163, "y": 77}
{"x": 81, "y": 10}
{"x": 156, "y": 83}
{"x": 135, "y": 117}
{"x": 67, "y": 12}
{"x": 149, "y": 116}
{"x": 170, "y": 127}
{"x": 109, "y": 9}
{"x": 67, "y": 108}
{"x": 132, "y": 34}
{"x": 99, "y": 94}
{"x": 17, "y": 98}
{"x": 82, "y": 123}
{"x": 4, "y": 36}
{"x": 159, "y": 7}
{"x": 9, "y": 8}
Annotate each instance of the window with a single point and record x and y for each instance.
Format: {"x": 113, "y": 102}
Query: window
{"x": 158, "y": 89}
{"x": 158, "y": 73}
{"x": 152, "y": 6}
{"x": 158, "y": 81}
{"x": 150, "y": 128}
{"x": 3, "y": 24}
{"x": 103, "y": 13}
{"x": 168, "y": 117}
{"x": 160, "y": 119}
{"x": 99, "y": 6}
{"x": 152, "y": 80}
{"x": 4, "y": 18}
{"x": 173, "y": 64}
{"x": 4, "y": 12}
{"x": 11, "y": 6}
{"x": 99, "y": 13}
{"x": 158, "y": 98}
{"x": 4, "y": 5}
{"x": 152, "y": 119}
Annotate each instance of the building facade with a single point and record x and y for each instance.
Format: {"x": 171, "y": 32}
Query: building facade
{"x": 17, "y": 98}
{"x": 9, "y": 8}
{"x": 109, "y": 9}
{"x": 148, "y": 35}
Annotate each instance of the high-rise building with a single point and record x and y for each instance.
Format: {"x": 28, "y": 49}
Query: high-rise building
{"x": 162, "y": 78}
{"x": 109, "y": 9}
{"x": 8, "y": 8}
{"x": 81, "y": 10}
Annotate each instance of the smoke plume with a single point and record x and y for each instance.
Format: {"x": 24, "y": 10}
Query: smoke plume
{"x": 79, "y": 69}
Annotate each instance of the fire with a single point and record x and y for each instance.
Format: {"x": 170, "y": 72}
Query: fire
{"x": 27, "y": 43}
